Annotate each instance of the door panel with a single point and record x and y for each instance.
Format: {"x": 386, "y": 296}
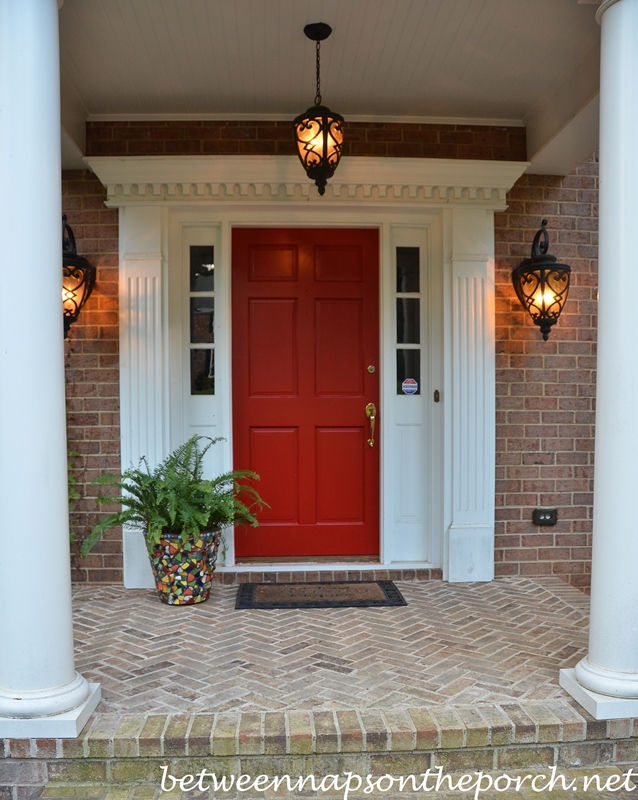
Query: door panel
{"x": 339, "y": 263}
{"x": 279, "y": 446}
{"x": 305, "y": 330}
{"x": 273, "y": 329}
{"x": 273, "y": 263}
{"x": 339, "y": 348}
{"x": 340, "y": 471}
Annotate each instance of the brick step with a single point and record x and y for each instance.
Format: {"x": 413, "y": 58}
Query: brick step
{"x": 130, "y": 750}
{"x": 314, "y": 574}
{"x": 604, "y": 783}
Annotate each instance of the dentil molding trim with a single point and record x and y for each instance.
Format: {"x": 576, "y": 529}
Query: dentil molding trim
{"x": 407, "y": 181}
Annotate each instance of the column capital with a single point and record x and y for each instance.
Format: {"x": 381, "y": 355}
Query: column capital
{"x": 602, "y": 8}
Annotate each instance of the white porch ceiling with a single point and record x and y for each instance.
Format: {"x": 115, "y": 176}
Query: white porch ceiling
{"x": 481, "y": 60}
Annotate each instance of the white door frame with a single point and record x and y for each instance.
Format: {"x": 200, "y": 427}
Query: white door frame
{"x": 451, "y": 202}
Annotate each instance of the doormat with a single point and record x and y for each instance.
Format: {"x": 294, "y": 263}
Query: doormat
{"x": 350, "y": 594}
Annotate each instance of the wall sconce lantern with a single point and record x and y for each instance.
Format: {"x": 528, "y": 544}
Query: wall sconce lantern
{"x": 78, "y": 278}
{"x": 319, "y": 132}
{"x": 542, "y": 284}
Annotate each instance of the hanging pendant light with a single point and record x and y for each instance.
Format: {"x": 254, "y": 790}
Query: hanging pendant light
{"x": 542, "y": 284}
{"x": 78, "y": 278}
{"x": 319, "y": 132}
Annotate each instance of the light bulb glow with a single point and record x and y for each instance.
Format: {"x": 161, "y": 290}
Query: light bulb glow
{"x": 544, "y": 298}
{"x": 78, "y": 278}
{"x": 543, "y": 293}
{"x": 319, "y": 139}
{"x": 77, "y": 284}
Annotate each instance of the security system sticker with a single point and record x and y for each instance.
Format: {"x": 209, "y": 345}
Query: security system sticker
{"x": 410, "y": 386}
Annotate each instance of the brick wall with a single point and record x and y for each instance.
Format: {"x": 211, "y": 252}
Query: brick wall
{"x": 92, "y": 371}
{"x": 545, "y": 390}
{"x": 276, "y": 138}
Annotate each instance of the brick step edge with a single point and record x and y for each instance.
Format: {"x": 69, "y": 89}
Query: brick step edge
{"x": 80, "y": 774}
{"x": 297, "y": 732}
{"x": 327, "y": 576}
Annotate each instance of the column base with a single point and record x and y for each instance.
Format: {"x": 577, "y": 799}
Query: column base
{"x": 58, "y": 726}
{"x": 606, "y": 681}
{"x": 600, "y": 706}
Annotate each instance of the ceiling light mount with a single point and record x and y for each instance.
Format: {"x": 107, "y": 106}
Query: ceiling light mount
{"x": 317, "y": 31}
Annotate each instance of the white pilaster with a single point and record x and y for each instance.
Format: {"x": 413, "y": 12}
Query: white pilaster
{"x": 470, "y": 543}
{"x": 37, "y": 673}
{"x": 143, "y": 388}
{"x": 611, "y": 665}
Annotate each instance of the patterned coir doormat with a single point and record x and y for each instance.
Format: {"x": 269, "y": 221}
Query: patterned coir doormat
{"x": 363, "y": 594}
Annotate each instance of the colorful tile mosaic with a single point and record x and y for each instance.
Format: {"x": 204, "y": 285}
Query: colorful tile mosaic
{"x": 183, "y": 571}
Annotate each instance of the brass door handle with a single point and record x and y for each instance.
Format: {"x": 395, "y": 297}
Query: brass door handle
{"x": 371, "y": 414}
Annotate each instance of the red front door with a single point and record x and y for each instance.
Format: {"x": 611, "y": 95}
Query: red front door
{"x": 305, "y": 366}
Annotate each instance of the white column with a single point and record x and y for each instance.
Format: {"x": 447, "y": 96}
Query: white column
{"x": 611, "y": 666}
{"x": 37, "y": 673}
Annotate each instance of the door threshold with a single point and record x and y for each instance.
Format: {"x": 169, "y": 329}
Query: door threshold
{"x": 326, "y": 573}
{"x": 325, "y": 566}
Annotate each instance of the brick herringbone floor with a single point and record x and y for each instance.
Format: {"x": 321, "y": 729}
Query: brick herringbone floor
{"x": 458, "y": 644}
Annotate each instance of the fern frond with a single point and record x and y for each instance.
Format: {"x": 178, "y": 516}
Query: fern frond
{"x": 175, "y": 497}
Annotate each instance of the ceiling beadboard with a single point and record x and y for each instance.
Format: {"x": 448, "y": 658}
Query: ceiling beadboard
{"x": 478, "y": 59}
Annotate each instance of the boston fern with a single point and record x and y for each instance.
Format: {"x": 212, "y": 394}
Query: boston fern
{"x": 175, "y": 498}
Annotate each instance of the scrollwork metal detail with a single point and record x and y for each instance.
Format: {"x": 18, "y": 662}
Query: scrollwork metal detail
{"x": 542, "y": 284}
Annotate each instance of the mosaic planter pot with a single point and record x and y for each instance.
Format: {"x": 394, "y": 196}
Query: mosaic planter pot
{"x": 184, "y": 572}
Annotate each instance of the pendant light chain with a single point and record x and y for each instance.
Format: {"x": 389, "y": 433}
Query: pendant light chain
{"x": 318, "y": 95}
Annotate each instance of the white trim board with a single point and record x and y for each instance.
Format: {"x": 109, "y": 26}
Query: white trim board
{"x": 496, "y": 122}
{"x": 262, "y": 179}
{"x": 449, "y": 204}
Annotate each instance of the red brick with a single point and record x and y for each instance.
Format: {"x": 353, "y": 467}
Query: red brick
{"x": 93, "y": 417}
{"x": 179, "y": 147}
{"x": 559, "y": 387}
{"x": 151, "y": 147}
